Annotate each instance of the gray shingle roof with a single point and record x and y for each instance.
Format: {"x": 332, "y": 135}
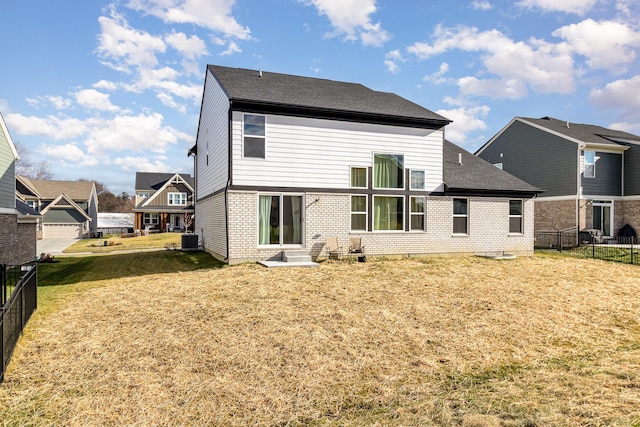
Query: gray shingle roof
{"x": 318, "y": 95}
{"x": 78, "y": 191}
{"x": 153, "y": 181}
{"x": 476, "y": 175}
{"x": 584, "y": 132}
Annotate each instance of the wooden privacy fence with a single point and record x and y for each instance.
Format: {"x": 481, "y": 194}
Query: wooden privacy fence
{"x": 19, "y": 299}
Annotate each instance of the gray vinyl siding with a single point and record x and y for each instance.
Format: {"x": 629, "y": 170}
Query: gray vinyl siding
{"x": 7, "y": 174}
{"x": 632, "y": 171}
{"x": 607, "y": 181}
{"x": 537, "y": 157}
{"x": 63, "y": 216}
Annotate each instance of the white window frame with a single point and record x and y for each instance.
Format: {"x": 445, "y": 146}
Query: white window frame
{"x": 521, "y": 216}
{"x": 263, "y": 137}
{"x": 144, "y": 195}
{"x": 150, "y": 218}
{"x": 423, "y": 214}
{"x": 373, "y": 171}
{"x": 366, "y": 176}
{"x": 455, "y": 215}
{"x": 424, "y": 179}
{"x": 280, "y": 243}
{"x": 592, "y": 164}
{"x": 182, "y": 199}
{"x": 365, "y": 212}
{"x": 403, "y": 204}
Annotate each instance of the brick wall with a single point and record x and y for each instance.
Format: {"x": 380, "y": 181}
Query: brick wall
{"x": 630, "y": 214}
{"x": 555, "y": 215}
{"x": 17, "y": 241}
{"x": 329, "y": 215}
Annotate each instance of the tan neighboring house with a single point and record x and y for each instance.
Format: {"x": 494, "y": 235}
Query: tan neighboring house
{"x": 18, "y": 222}
{"x": 69, "y": 209}
{"x": 163, "y": 201}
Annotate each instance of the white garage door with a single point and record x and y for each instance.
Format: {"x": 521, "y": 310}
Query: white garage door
{"x": 62, "y": 231}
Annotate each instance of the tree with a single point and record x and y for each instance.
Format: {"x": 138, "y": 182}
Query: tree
{"x": 25, "y": 166}
{"x": 108, "y": 202}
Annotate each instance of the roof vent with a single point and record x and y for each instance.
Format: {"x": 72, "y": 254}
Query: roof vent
{"x": 567, "y": 125}
{"x": 459, "y": 158}
{"x": 260, "y": 73}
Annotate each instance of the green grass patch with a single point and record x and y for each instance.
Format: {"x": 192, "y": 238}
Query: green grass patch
{"x": 117, "y": 243}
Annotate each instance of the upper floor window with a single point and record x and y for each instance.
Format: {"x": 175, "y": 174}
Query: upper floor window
{"x": 254, "y": 136}
{"x": 358, "y": 177}
{"x": 143, "y": 195}
{"x": 178, "y": 199}
{"x": 33, "y": 204}
{"x": 589, "y": 164}
{"x": 388, "y": 171}
{"x": 460, "y": 216}
{"x": 417, "y": 179}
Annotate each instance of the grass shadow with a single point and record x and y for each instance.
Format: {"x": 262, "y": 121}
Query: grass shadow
{"x": 71, "y": 270}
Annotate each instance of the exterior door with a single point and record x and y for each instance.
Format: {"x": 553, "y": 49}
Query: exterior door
{"x": 603, "y": 217}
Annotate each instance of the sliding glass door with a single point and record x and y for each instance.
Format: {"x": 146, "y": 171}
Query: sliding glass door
{"x": 280, "y": 219}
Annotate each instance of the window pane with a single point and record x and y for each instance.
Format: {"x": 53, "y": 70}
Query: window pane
{"x": 254, "y": 147}
{"x": 460, "y": 206}
{"x": 417, "y": 222}
{"x": 358, "y": 221}
{"x": 358, "y": 203}
{"x": 253, "y": 125}
{"x": 388, "y": 213}
{"x": 417, "y": 204}
{"x": 269, "y": 220}
{"x": 515, "y": 207}
{"x": 417, "y": 180}
{"x": 291, "y": 220}
{"x": 359, "y": 177}
{"x": 515, "y": 224}
{"x": 460, "y": 225}
{"x": 388, "y": 171}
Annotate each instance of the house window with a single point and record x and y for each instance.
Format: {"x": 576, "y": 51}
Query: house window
{"x": 460, "y": 216}
{"x": 179, "y": 199}
{"x": 32, "y": 204}
{"x": 280, "y": 219}
{"x": 388, "y": 171}
{"x": 358, "y": 213}
{"x": 388, "y": 213}
{"x": 143, "y": 195}
{"x": 589, "y": 164}
{"x": 150, "y": 218}
{"x": 417, "y": 213}
{"x": 417, "y": 180}
{"x": 358, "y": 177}
{"x": 515, "y": 216}
{"x": 254, "y": 136}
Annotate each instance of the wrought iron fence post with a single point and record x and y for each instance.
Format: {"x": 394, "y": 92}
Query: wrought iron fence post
{"x": 632, "y": 240}
{"x": 3, "y": 284}
{"x": 559, "y": 240}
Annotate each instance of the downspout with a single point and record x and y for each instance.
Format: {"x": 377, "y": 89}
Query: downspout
{"x": 226, "y": 188}
{"x": 578, "y": 190}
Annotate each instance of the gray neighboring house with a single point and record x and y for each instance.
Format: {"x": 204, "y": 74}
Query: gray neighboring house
{"x": 69, "y": 209}
{"x": 18, "y": 222}
{"x": 283, "y": 162}
{"x": 163, "y": 201}
{"x": 590, "y": 174}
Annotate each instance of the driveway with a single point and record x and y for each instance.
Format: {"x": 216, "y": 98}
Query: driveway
{"x": 54, "y": 246}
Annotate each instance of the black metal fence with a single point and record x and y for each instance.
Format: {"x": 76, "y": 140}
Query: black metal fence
{"x": 584, "y": 245}
{"x": 19, "y": 299}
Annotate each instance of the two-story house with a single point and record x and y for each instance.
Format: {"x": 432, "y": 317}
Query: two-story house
{"x": 163, "y": 201}
{"x": 590, "y": 174}
{"x": 283, "y": 162}
{"x": 18, "y": 222}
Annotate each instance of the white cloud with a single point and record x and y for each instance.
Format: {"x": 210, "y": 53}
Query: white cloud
{"x": 438, "y": 76}
{"x": 167, "y": 100}
{"x": 391, "y": 60}
{"x": 606, "y": 44}
{"x": 621, "y": 95}
{"x": 106, "y": 85}
{"x": 481, "y": 5}
{"x": 212, "y": 14}
{"x": 231, "y": 49}
{"x": 57, "y": 128}
{"x": 94, "y": 100}
{"x": 136, "y": 164}
{"x": 533, "y": 65}
{"x": 57, "y": 102}
{"x": 123, "y": 47}
{"x": 352, "y": 19}
{"x": 189, "y": 47}
{"x": 578, "y": 7}
{"x": 68, "y": 155}
{"x": 466, "y": 120}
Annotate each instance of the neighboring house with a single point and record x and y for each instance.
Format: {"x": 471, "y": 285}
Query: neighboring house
{"x": 115, "y": 223}
{"x": 163, "y": 201}
{"x": 285, "y": 161}
{"x": 590, "y": 174}
{"x": 18, "y": 222}
{"x": 69, "y": 209}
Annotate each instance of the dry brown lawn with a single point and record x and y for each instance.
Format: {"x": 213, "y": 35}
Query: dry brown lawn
{"x": 454, "y": 341}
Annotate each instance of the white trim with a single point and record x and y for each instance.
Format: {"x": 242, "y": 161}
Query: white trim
{"x": 404, "y": 213}
{"x": 178, "y": 179}
{"x": 242, "y": 136}
{"x": 366, "y": 213}
{"x": 423, "y": 213}
{"x": 424, "y": 179}
{"x": 303, "y": 221}
{"x": 12, "y": 146}
{"x": 366, "y": 176}
{"x": 71, "y": 203}
{"x": 467, "y": 216}
{"x": 521, "y": 216}
{"x": 373, "y": 170}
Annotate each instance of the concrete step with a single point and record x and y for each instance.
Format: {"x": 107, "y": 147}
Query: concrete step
{"x": 296, "y": 256}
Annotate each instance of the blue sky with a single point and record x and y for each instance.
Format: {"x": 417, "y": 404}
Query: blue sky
{"x": 103, "y": 89}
